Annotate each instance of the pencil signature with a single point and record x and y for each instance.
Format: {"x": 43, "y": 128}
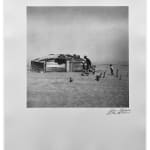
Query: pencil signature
{"x": 118, "y": 111}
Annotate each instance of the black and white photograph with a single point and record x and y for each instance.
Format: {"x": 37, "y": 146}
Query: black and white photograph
{"x": 75, "y": 74}
{"x": 77, "y": 56}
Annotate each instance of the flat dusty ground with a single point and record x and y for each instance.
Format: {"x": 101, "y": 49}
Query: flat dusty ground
{"x": 53, "y": 89}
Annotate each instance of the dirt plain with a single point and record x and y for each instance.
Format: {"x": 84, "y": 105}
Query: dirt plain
{"x": 53, "y": 89}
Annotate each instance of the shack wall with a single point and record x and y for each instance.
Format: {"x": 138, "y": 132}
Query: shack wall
{"x": 76, "y": 66}
{"x": 55, "y": 67}
{"x": 37, "y": 66}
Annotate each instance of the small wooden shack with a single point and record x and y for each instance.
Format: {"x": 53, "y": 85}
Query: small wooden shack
{"x": 58, "y": 63}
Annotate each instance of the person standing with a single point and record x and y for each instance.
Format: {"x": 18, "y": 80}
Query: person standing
{"x": 111, "y": 69}
{"x": 88, "y": 63}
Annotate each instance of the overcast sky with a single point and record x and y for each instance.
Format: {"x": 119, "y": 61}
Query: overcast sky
{"x": 98, "y": 32}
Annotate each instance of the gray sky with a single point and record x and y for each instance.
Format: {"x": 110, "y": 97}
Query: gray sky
{"x": 98, "y": 32}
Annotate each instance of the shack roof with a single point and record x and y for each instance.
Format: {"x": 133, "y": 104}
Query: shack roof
{"x": 60, "y": 56}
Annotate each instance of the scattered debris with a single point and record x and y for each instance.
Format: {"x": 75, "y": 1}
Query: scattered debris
{"x": 85, "y": 73}
{"x": 117, "y": 73}
{"x": 93, "y": 72}
{"x": 120, "y": 77}
{"x": 70, "y": 79}
{"x": 100, "y": 75}
{"x": 104, "y": 74}
{"x": 97, "y": 77}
